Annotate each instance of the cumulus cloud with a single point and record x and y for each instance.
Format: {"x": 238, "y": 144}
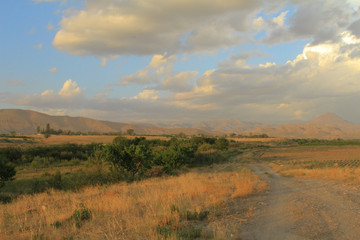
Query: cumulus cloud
{"x": 50, "y": 27}
{"x": 70, "y": 89}
{"x": 324, "y": 77}
{"x": 318, "y": 20}
{"x": 105, "y": 28}
{"x": 15, "y": 82}
{"x": 53, "y": 70}
{"x": 147, "y": 94}
{"x": 39, "y": 46}
{"x": 297, "y": 89}
{"x": 140, "y": 77}
{"x": 113, "y": 28}
{"x": 183, "y": 81}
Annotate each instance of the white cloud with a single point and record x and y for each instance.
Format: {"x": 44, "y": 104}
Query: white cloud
{"x": 180, "y": 82}
{"x": 140, "y": 77}
{"x": 266, "y": 65}
{"x": 147, "y": 94}
{"x": 105, "y": 28}
{"x": 39, "y": 46}
{"x": 279, "y": 20}
{"x": 53, "y": 70}
{"x": 15, "y": 82}
{"x": 320, "y": 21}
{"x": 70, "y": 89}
{"x": 50, "y": 27}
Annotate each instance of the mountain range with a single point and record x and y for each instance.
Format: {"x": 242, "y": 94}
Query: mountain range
{"x": 328, "y": 125}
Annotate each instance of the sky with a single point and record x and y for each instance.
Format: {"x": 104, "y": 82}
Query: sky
{"x": 179, "y": 61}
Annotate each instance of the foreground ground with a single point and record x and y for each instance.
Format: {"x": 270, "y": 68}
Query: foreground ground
{"x": 296, "y": 208}
{"x": 313, "y": 193}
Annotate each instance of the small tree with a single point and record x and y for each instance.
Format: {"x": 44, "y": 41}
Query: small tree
{"x": 222, "y": 144}
{"x": 130, "y": 132}
{"x": 7, "y": 171}
{"x": 133, "y": 159}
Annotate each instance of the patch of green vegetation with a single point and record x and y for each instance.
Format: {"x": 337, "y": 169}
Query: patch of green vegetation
{"x": 123, "y": 160}
{"x": 80, "y": 216}
{"x": 182, "y": 227}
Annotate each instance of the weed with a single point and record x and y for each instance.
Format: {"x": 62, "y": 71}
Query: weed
{"x": 56, "y": 224}
{"x": 81, "y": 215}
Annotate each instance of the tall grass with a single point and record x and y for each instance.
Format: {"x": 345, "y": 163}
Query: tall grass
{"x": 123, "y": 211}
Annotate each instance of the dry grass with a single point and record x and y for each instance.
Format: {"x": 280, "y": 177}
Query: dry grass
{"x": 339, "y": 163}
{"x": 123, "y": 211}
{"x": 347, "y": 175}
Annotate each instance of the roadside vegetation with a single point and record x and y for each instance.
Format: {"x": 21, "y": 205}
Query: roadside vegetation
{"x": 130, "y": 189}
{"x": 72, "y": 166}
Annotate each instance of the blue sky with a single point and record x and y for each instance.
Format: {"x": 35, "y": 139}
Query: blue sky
{"x": 181, "y": 60}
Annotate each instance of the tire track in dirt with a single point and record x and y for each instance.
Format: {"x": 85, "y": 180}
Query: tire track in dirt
{"x": 303, "y": 209}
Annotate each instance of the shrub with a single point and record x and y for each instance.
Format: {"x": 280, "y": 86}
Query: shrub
{"x": 7, "y": 171}
{"x": 176, "y": 156}
{"x": 222, "y": 144}
{"x": 80, "y": 215}
{"x": 56, "y": 181}
{"x": 133, "y": 159}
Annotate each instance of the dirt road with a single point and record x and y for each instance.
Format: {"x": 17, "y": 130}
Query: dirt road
{"x": 303, "y": 209}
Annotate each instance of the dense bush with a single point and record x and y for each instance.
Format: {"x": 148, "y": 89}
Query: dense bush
{"x": 7, "y": 171}
{"x": 124, "y": 159}
{"x": 56, "y": 153}
{"x": 130, "y": 157}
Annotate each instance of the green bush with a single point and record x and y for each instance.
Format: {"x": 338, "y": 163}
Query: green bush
{"x": 80, "y": 215}
{"x": 222, "y": 144}
{"x": 132, "y": 160}
{"x": 7, "y": 171}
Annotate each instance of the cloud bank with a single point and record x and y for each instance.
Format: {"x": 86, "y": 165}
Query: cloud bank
{"x": 322, "y": 78}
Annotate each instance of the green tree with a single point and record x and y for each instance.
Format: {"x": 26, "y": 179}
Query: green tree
{"x": 98, "y": 158}
{"x": 176, "y": 156}
{"x": 132, "y": 159}
{"x": 7, "y": 171}
{"x": 222, "y": 144}
{"x": 130, "y": 132}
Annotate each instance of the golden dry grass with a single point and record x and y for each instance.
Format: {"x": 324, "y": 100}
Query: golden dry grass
{"x": 123, "y": 211}
{"x": 339, "y": 163}
{"x": 347, "y": 175}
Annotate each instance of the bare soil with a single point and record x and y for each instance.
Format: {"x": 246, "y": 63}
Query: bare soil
{"x": 296, "y": 208}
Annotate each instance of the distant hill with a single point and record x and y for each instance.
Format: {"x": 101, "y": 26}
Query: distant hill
{"x": 26, "y": 122}
{"x": 331, "y": 119}
{"x": 328, "y": 125}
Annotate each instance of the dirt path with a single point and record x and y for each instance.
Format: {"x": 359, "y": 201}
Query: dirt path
{"x": 303, "y": 209}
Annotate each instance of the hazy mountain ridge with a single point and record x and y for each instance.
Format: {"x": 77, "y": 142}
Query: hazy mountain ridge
{"x": 26, "y": 122}
{"x": 328, "y": 125}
